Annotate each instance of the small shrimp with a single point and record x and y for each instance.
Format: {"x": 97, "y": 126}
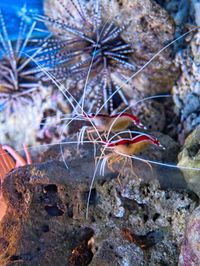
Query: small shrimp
{"x": 127, "y": 147}
{"x": 135, "y": 145}
{"x": 105, "y": 123}
{"x": 123, "y": 121}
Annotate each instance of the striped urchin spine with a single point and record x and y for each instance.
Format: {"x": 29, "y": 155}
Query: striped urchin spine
{"x": 89, "y": 47}
{"x": 18, "y": 74}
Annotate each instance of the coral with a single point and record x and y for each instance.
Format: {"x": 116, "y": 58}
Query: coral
{"x": 33, "y": 123}
{"x": 21, "y": 92}
{"x": 104, "y": 43}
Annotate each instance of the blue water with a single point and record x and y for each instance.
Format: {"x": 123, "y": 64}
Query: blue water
{"x": 14, "y": 10}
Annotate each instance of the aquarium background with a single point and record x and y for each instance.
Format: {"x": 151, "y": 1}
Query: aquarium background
{"x": 14, "y": 10}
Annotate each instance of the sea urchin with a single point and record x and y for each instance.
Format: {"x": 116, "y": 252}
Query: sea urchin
{"x": 88, "y": 47}
{"x": 18, "y": 75}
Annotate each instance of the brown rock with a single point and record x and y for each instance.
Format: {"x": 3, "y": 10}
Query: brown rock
{"x": 190, "y": 250}
{"x": 45, "y": 219}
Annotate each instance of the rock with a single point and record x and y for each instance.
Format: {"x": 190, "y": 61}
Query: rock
{"x": 190, "y": 250}
{"x": 46, "y": 208}
{"x": 186, "y": 92}
{"x": 161, "y": 172}
{"x": 178, "y": 9}
{"x": 152, "y": 114}
{"x": 116, "y": 251}
{"x": 190, "y": 157}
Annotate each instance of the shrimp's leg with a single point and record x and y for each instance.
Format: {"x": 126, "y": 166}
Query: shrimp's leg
{"x": 150, "y": 166}
{"x": 119, "y": 181}
{"x": 105, "y": 158}
{"x": 113, "y": 158}
{"x": 28, "y": 155}
{"x": 90, "y": 134}
{"x": 119, "y": 175}
{"x": 81, "y": 137}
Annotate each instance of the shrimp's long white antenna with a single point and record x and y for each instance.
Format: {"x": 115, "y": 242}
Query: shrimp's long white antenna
{"x": 53, "y": 144}
{"x": 92, "y": 182}
{"x": 160, "y": 163}
{"x": 146, "y": 64}
{"x": 61, "y": 87}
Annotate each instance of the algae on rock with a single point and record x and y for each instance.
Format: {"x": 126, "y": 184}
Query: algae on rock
{"x": 190, "y": 157}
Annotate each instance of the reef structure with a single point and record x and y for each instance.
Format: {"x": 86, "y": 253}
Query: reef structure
{"x": 186, "y": 92}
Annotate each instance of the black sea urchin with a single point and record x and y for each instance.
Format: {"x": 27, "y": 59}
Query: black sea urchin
{"x": 18, "y": 79}
{"x": 88, "y": 47}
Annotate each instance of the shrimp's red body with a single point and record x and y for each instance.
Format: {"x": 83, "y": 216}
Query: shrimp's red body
{"x": 116, "y": 122}
{"x": 134, "y": 145}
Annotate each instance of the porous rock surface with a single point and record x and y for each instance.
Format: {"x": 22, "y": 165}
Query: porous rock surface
{"x": 152, "y": 114}
{"x": 190, "y": 250}
{"x": 186, "y": 92}
{"x": 131, "y": 223}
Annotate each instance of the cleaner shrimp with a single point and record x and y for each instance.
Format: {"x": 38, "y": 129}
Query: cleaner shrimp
{"x": 130, "y": 156}
{"x": 105, "y": 123}
{"x": 125, "y": 146}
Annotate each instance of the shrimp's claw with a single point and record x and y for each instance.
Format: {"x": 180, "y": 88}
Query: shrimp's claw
{"x": 162, "y": 147}
{"x": 140, "y": 125}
